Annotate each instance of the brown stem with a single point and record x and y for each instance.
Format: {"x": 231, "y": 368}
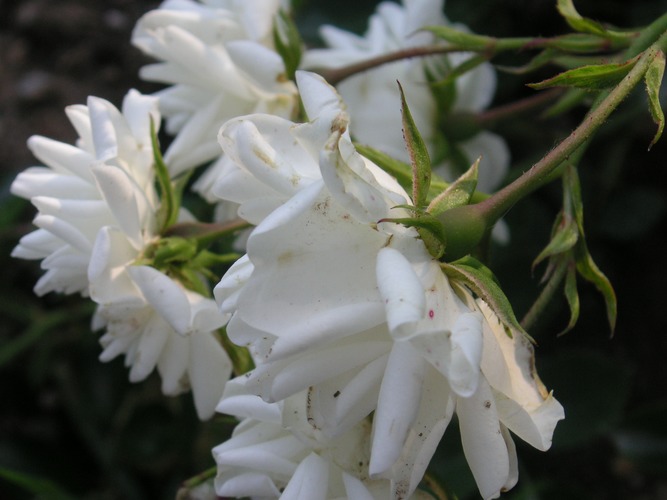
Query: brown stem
{"x": 520, "y": 106}
{"x": 335, "y": 76}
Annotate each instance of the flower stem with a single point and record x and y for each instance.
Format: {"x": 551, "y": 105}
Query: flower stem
{"x": 494, "y": 207}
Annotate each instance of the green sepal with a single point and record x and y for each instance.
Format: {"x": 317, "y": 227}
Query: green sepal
{"x": 572, "y": 297}
{"x": 167, "y": 214}
{"x": 479, "y": 278}
{"x": 458, "y": 193}
{"x": 419, "y": 157}
{"x": 653, "y": 79}
{"x": 287, "y": 41}
{"x": 593, "y": 77}
{"x": 591, "y": 273}
{"x": 173, "y": 249}
{"x": 585, "y": 25}
{"x": 429, "y": 228}
{"x": 584, "y": 261}
{"x": 563, "y": 238}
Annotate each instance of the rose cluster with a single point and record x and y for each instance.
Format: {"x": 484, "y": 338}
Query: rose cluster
{"x": 364, "y": 350}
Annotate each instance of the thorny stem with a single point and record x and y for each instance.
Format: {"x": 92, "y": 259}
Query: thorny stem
{"x": 494, "y": 207}
{"x": 335, "y": 76}
{"x": 485, "y": 45}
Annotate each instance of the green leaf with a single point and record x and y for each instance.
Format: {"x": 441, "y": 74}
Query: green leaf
{"x": 653, "y": 79}
{"x": 593, "y": 77}
{"x": 462, "y": 39}
{"x": 288, "y": 42}
{"x": 591, "y": 273}
{"x": 577, "y": 22}
{"x": 38, "y": 486}
{"x": 419, "y": 157}
{"x": 168, "y": 212}
{"x": 564, "y": 237}
{"x": 478, "y": 278}
{"x": 572, "y": 297}
{"x": 458, "y": 193}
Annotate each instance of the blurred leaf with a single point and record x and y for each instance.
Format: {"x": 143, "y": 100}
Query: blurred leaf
{"x": 435, "y": 69}
{"x": 653, "y": 78}
{"x": 288, "y": 42}
{"x": 42, "y": 325}
{"x": 593, "y": 77}
{"x": 582, "y": 24}
{"x": 465, "y": 40}
{"x": 168, "y": 211}
{"x": 36, "y": 485}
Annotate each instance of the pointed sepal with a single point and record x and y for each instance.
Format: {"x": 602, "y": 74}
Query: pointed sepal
{"x": 419, "y": 157}
{"x": 653, "y": 79}
{"x": 481, "y": 281}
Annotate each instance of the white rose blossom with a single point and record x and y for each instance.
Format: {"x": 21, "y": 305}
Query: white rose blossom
{"x": 357, "y": 312}
{"x": 217, "y": 55}
{"x": 276, "y": 452}
{"x": 106, "y": 180}
{"x": 373, "y": 96}
{"x": 98, "y": 205}
{"x": 173, "y": 329}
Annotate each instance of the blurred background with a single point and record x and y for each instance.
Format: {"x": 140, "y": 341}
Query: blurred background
{"x": 72, "y": 427}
